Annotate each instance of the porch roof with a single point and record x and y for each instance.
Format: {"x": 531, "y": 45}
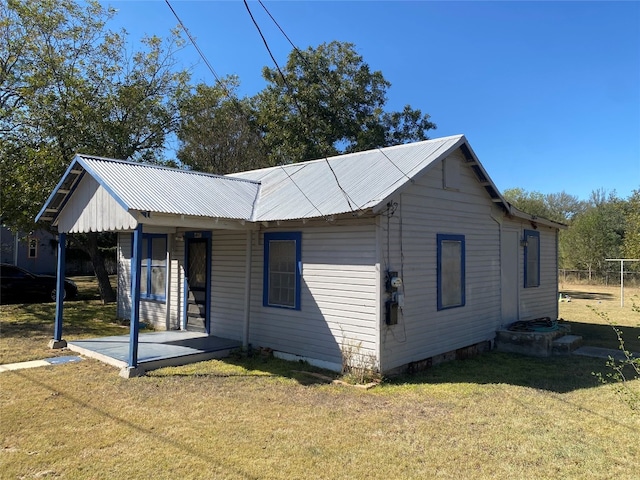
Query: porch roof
{"x": 140, "y": 188}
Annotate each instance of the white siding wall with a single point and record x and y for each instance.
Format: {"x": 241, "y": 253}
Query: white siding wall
{"x": 541, "y": 301}
{"x": 227, "y": 283}
{"x": 176, "y": 285}
{"x": 93, "y": 209}
{"x": 425, "y": 210}
{"x": 339, "y": 298}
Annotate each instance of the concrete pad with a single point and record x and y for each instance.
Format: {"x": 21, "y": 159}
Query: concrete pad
{"x": 55, "y": 344}
{"x": 19, "y": 366}
{"x": 132, "y": 372}
{"x": 597, "y": 352}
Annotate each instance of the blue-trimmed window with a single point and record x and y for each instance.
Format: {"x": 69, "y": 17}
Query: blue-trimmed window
{"x": 450, "y": 271}
{"x": 153, "y": 265}
{"x": 531, "y": 258}
{"x": 282, "y": 270}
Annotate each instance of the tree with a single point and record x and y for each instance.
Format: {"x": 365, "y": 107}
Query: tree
{"x": 631, "y": 245}
{"x": 67, "y": 84}
{"x": 218, "y": 133}
{"x": 560, "y": 207}
{"x": 327, "y": 101}
{"x": 596, "y": 234}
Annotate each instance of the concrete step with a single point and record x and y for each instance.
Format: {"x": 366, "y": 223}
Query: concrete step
{"x": 566, "y": 344}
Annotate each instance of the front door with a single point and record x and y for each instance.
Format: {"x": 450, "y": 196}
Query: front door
{"x": 197, "y": 285}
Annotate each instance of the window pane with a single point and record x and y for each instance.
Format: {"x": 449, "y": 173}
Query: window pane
{"x": 143, "y": 279}
{"x": 282, "y": 272}
{"x": 451, "y": 273}
{"x": 158, "y": 281}
{"x": 159, "y": 251}
{"x": 153, "y": 266}
{"x": 533, "y": 261}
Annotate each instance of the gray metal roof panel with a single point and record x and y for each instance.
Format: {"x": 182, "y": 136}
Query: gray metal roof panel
{"x": 320, "y": 188}
{"x": 342, "y": 184}
{"x": 157, "y": 189}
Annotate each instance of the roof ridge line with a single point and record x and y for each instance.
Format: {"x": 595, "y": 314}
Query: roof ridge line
{"x": 161, "y": 167}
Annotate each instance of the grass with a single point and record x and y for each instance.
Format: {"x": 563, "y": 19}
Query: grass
{"x": 25, "y": 329}
{"x": 594, "y": 330}
{"x": 493, "y": 416}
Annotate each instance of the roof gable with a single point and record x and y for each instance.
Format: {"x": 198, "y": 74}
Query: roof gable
{"x": 139, "y": 187}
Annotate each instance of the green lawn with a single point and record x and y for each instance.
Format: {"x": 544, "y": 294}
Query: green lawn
{"x": 496, "y": 416}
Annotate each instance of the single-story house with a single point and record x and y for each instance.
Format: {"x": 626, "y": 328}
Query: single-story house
{"x": 398, "y": 254}
{"x": 35, "y": 251}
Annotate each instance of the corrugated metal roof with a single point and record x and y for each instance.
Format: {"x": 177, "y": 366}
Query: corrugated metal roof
{"x": 150, "y": 188}
{"x": 318, "y": 188}
{"x": 343, "y": 184}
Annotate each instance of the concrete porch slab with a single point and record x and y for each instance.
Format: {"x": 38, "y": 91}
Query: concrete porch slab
{"x": 156, "y": 349}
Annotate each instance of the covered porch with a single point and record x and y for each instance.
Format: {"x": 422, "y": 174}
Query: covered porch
{"x": 149, "y": 202}
{"x": 156, "y": 349}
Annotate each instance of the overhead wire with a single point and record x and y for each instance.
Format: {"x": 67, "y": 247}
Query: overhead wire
{"x": 331, "y": 92}
{"x": 230, "y": 95}
{"x": 304, "y": 114}
{"x": 195, "y": 44}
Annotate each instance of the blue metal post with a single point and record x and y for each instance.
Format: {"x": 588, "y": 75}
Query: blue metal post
{"x": 134, "y": 326}
{"x": 57, "y": 331}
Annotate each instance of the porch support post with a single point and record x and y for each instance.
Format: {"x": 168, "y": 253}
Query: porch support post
{"x": 247, "y": 290}
{"x": 134, "y": 323}
{"x": 57, "y": 341}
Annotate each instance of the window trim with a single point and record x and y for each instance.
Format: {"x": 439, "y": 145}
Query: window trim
{"x": 148, "y": 238}
{"x": 440, "y": 237}
{"x": 527, "y": 234}
{"x": 268, "y": 238}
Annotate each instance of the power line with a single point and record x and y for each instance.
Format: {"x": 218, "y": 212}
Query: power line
{"x": 202, "y": 55}
{"x": 328, "y": 87}
{"x": 232, "y": 97}
{"x": 293, "y": 96}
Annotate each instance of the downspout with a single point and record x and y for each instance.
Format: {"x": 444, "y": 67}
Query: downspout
{"x": 57, "y": 341}
{"x": 379, "y": 292}
{"x": 168, "y": 283}
{"x": 247, "y": 290}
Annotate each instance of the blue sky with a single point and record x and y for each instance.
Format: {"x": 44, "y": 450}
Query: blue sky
{"x": 547, "y": 93}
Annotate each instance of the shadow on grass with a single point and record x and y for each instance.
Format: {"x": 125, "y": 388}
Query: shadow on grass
{"x": 554, "y": 374}
{"x": 255, "y": 365}
{"x": 152, "y": 434}
{"x": 604, "y": 336}
{"x": 587, "y": 295}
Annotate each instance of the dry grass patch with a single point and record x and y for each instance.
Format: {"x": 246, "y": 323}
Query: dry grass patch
{"x": 494, "y": 416}
{"x": 471, "y": 419}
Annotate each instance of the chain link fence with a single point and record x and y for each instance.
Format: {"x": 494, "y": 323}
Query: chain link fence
{"x": 585, "y": 277}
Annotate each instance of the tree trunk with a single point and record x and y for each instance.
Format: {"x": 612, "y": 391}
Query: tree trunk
{"x": 89, "y": 243}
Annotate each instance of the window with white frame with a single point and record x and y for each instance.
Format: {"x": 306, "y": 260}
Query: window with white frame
{"x": 531, "y": 258}
{"x": 451, "y": 271}
{"x": 153, "y": 267}
{"x": 282, "y": 270}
